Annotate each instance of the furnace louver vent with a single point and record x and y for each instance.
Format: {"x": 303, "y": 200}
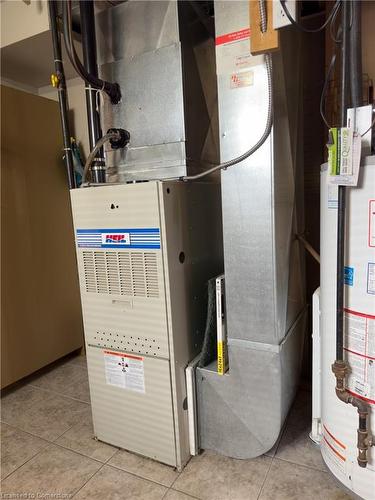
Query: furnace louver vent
{"x": 121, "y": 273}
{"x": 127, "y": 343}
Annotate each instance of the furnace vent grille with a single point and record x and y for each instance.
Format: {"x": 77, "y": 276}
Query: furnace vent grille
{"x": 134, "y": 274}
{"x": 127, "y": 343}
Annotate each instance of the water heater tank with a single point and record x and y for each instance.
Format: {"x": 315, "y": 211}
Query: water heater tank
{"x": 339, "y": 420}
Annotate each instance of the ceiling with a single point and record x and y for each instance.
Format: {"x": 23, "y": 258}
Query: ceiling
{"x": 30, "y": 61}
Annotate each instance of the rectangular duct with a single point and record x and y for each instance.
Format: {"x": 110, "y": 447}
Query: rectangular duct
{"x": 164, "y": 60}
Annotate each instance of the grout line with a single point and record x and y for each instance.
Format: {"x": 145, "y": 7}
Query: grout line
{"x": 56, "y": 444}
{"x": 179, "y": 491}
{"x": 136, "y": 475}
{"x": 37, "y": 435}
{"x": 89, "y": 479}
{"x": 59, "y": 394}
{"x": 48, "y": 444}
{"x": 178, "y": 475}
{"x": 27, "y": 432}
{"x": 310, "y": 467}
{"x": 165, "y": 494}
{"x": 185, "y": 493}
{"x": 265, "y": 478}
{"x": 79, "y": 453}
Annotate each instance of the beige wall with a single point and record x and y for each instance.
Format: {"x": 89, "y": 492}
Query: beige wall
{"x": 20, "y": 20}
{"x": 77, "y": 106}
{"x": 368, "y": 37}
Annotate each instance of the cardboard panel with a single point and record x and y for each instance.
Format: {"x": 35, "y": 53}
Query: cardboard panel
{"x": 41, "y": 311}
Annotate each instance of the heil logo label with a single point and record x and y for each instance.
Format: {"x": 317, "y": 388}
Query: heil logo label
{"x": 115, "y": 239}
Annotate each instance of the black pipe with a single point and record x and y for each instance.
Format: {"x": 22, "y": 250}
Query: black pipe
{"x": 62, "y": 93}
{"x": 356, "y": 55}
{"x": 341, "y": 189}
{"x": 90, "y": 63}
{"x": 111, "y": 89}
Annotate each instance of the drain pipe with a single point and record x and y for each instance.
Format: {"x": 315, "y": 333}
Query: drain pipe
{"x": 340, "y": 367}
{"x": 356, "y": 55}
{"x": 58, "y": 81}
{"x": 87, "y": 15}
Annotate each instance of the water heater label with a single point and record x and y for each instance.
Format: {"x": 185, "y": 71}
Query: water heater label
{"x": 371, "y": 278}
{"x": 124, "y": 370}
{"x": 360, "y": 350}
{"x": 118, "y": 238}
{"x": 371, "y": 223}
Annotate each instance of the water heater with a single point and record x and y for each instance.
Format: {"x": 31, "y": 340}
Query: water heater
{"x": 339, "y": 421}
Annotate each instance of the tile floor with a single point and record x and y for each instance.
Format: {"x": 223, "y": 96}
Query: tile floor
{"x": 48, "y": 451}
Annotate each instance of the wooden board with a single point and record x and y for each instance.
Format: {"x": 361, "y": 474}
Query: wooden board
{"x": 41, "y": 311}
{"x": 262, "y": 42}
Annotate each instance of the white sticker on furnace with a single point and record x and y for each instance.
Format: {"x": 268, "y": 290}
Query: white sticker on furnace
{"x": 124, "y": 370}
{"x": 244, "y": 79}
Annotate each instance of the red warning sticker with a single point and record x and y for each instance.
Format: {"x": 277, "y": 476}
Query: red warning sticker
{"x": 124, "y": 371}
{"x": 360, "y": 352}
{"x": 233, "y": 37}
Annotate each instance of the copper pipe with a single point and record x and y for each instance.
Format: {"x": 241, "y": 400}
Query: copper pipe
{"x": 364, "y": 439}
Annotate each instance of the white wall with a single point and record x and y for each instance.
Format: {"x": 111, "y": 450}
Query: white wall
{"x": 77, "y": 107}
{"x": 20, "y": 20}
{"x": 368, "y": 37}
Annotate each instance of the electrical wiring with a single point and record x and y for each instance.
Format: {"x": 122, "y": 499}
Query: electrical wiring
{"x": 258, "y": 144}
{"x": 370, "y": 127}
{"x": 324, "y": 91}
{"x": 307, "y": 30}
{"x": 334, "y": 37}
{"x": 268, "y": 127}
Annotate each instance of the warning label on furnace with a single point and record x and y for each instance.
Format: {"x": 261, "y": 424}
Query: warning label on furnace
{"x": 124, "y": 370}
{"x": 360, "y": 350}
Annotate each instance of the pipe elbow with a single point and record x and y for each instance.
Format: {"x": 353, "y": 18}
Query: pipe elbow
{"x": 343, "y": 395}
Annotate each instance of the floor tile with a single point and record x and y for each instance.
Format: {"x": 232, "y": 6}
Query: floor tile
{"x": 144, "y": 467}
{"x": 80, "y": 438}
{"x": 43, "y": 414}
{"x": 117, "y": 484}
{"x": 286, "y": 481}
{"x": 211, "y": 477}
{"x": 68, "y": 378}
{"x": 177, "y": 495}
{"x": 296, "y": 446}
{"x": 80, "y": 359}
{"x": 53, "y": 471}
{"x": 17, "y": 447}
{"x": 19, "y": 400}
